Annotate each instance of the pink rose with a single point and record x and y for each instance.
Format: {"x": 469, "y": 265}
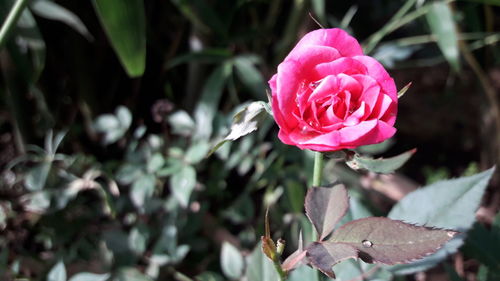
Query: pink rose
{"x": 328, "y": 96}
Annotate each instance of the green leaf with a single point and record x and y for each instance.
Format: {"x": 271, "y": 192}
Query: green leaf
{"x": 142, "y": 189}
{"x": 377, "y": 148}
{"x": 387, "y": 241}
{"x": 380, "y": 165}
{"x": 244, "y": 122}
{"x": 260, "y": 268}
{"x": 137, "y": 239}
{"x": 196, "y": 152}
{"x": 181, "y": 123}
{"x": 204, "y": 112}
{"x": 250, "y": 76}
{"x": 325, "y": 207}
{"x": 231, "y": 261}
{"x": 37, "y": 176}
{"x": 131, "y": 274}
{"x": 182, "y": 184}
{"x": 86, "y": 276}
{"x": 324, "y": 256}
{"x": 37, "y": 202}
{"x": 125, "y": 25}
{"x": 483, "y": 245}
{"x": 440, "y": 19}
{"x": 209, "y": 276}
{"x": 57, "y": 273}
{"x": 114, "y": 126}
{"x": 53, "y": 11}
{"x": 155, "y": 162}
{"x": 303, "y": 273}
{"x": 445, "y": 204}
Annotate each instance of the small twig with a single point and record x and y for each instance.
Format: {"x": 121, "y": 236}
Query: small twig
{"x": 316, "y": 21}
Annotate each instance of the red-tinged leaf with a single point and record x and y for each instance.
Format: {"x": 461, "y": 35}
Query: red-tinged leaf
{"x": 387, "y": 241}
{"x": 268, "y": 247}
{"x": 324, "y": 255}
{"x": 325, "y": 207}
{"x": 293, "y": 260}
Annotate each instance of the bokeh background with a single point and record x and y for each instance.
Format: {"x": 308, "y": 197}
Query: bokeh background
{"x": 108, "y": 109}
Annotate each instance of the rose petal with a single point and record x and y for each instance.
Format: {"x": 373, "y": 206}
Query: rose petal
{"x": 350, "y": 84}
{"x": 343, "y": 65}
{"x": 390, "y": 114}
{"x": 285, "y": 123}
{"x": 371, "y": 91}
{"x": 378, "y": 72}
{"x": 311, "y": 55}
{"x": 356, "y": 116}
{"x": 367, "y": 132}
{"x": 288, "y": 83}
{"x": 346, "y": 45}
{"x": 327, "y": 87}
{"x": 272, "y": 83}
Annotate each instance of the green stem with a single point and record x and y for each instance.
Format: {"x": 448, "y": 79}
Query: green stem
{"x": 11, "y": 20}
{"x": 318, "y": 169}
{"x": 279, "y": 270}
{"x": 317, "y": 175}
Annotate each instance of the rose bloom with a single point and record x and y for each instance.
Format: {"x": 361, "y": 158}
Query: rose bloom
{"x": 328, "y": 96}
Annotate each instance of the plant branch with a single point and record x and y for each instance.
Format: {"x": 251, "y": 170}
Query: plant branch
{"x": 11, "y": 20}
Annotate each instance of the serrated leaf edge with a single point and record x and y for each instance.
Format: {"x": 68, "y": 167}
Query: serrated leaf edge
{"x": 451, "y": 233}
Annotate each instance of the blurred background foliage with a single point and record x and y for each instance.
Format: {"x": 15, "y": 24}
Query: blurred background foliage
{"x": 108, "y": 109}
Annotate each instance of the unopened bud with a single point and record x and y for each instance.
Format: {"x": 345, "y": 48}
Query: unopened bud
{"x": 280, "y": 246}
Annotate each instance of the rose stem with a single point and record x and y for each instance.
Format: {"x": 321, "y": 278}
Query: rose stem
{"x": 318, "y": 169}
{"x": 317, "y": 175}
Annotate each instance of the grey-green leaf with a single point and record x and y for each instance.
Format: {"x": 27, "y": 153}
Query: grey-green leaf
{"x": 86, "y": 276}
{"x": 231, "y": 261}
{"x": 37, "y": 176}
{"x": 260, "y": 268}
{"x": 250, "y": 76}
{"x": 324, "y": 255}
{"x": 440, "y": 19}
{"x": 142, "y": 189}
{"x": 54, "y": 11}
{"x": 244, "y": 122}
{"x": 57, "y": 273}
{"x": 387, "y": 241}
{"x": 303, "y": 273}
{"x": 125, "y": 25}
{"x": 446, "y": 204}
{"x": 325, "y": 207}
{"x": 182, "y": 184}
{"x": 204, "y": 112}
{"x": 131, "y": 274}
{"x": 380, "y": 165}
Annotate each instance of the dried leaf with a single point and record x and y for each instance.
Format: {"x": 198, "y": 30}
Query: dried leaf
{"x": 324, "y": 255}
{"x": 244, "y": 122}
{"x": 387, "y": 241}
{"x": 268, "y": 246}
{"x": 403, "y": 91}
{"x": 325, "y": 207}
